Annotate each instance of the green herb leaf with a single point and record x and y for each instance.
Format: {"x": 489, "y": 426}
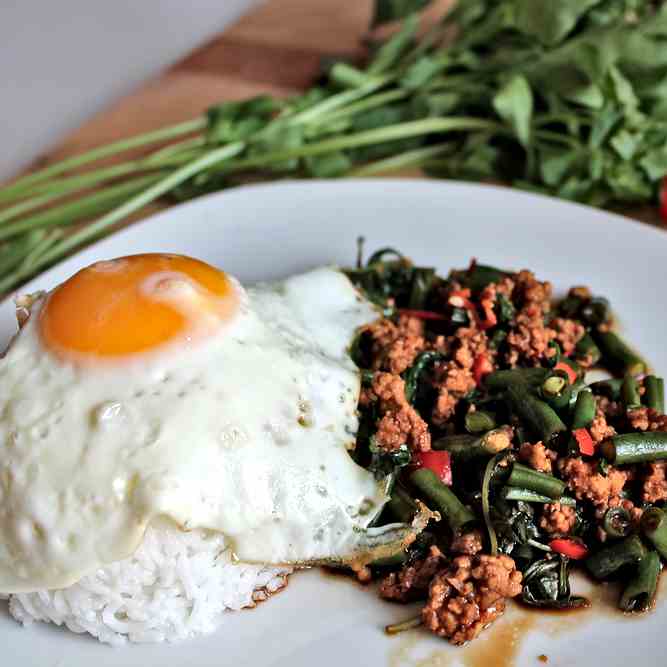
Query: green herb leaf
{"x": 550, "y": 21}
{"x": 514, "y": 104}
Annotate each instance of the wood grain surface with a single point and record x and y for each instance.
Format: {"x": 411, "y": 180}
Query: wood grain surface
{"x": 276, "y": 49}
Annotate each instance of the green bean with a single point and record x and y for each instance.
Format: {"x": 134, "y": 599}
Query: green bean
{"x": 539, "y": 416}
{"x": 639, "y": 594}
{"x": 479, "y": 421}
{"x": 654, "y": 394}
{"x": 635, "y": 447}
{"x": 654, "y": 527}
{"x": 595, "y": 311}
{"x": 528, "y": 496}
{"x": 608, "y": 560}
{"x": 630, "y": 392}
{"x": 617, "y": 522}
{"x": 587, "y": 350}
{"x": 442, "y": 499}
{"x": 417, "y": 368}
{"x": 610, "y": 388}
{"x": 526, "y": 478}
{"x": 560, "y": 400}
{"x": 401, "y": 505}
{"x": 390, "y": 561}
{"x": 553, "y": 385}
{"x": 465, "y": 447}
{"x": 584, "y": 410}
{"x": 502, "y": 380}
{"x": 617, "y": 354}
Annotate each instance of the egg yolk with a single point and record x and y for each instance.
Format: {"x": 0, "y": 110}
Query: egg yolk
{"x": 134, "y": 304}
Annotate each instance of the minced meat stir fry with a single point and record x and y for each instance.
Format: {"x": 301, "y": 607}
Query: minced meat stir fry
{"x": 475, "y": 401}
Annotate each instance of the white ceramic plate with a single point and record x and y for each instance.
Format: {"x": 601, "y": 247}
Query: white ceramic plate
{"x": 271, "y": 231}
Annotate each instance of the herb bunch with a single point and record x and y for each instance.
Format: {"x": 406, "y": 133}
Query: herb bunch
{"x": 567, "y": 98}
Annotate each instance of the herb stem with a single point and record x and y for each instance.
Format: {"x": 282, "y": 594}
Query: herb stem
{"x": 367, "y": 138}
{"x": 442, "y": 499}
{"x": 131, "y": 206}
{"x": 71, "y": 212}
{"x": 409, "y": 624}
{"x": 524, "y": 477}
{"x": 18, "y": 187}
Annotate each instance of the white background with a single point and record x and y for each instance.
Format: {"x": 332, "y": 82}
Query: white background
{"x": 63, "y": 60}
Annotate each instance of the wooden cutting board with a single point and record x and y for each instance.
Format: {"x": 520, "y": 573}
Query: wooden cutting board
{"x": 275, "y": 49}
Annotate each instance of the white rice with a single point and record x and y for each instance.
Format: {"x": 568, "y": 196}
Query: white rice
{"x": 175, "y": 586}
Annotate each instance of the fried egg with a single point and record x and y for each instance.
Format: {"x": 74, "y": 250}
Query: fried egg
{"x": 156, "y": 387}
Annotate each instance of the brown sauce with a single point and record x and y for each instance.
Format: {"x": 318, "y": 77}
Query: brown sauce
{"x": 501, "y": 645}
{"x": 498, "y": 646}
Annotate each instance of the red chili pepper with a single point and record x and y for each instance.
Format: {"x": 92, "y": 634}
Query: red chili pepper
{"x": 421, "y": 314}
{"x": 461, "y": 299}
{"x": 663, "y": 200}
{"x": 490, "y": 319}
{"x": 481, "y": 367}
{"x": 584, "y": 440}
{"x": 439, "y": 462}
{"x": 570, "y": 548}
{"x": 463, "y": 293}
{"x": 568, "y": 370}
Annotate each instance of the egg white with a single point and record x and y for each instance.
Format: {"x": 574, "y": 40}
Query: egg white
{"x": 247, "y": 434}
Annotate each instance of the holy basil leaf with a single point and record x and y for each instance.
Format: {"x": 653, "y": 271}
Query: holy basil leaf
{"x": 654, "y": 163}
{"x": 514, "y": 104}
{"x": 546, "y": 584}
{"x": 556, "y": 163}
{"x": 625, "y": 143}
{"x": 550, "y": 21}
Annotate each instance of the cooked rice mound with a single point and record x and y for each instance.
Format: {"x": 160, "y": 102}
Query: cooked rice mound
{"x": 176, "y": 585}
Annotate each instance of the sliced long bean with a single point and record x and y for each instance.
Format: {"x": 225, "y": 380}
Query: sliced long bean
{"x": 479, "y": 421}
{"x": 502, "y": 380}
{"x": 528, "y": 496}
{"x": 618, "y": 354}
{"x": 539, "y": 416}
{"x": 559, "y": 400}
{"x": 553, "y": 386}
{"x": 401, "y": 505}
{"x": 524, "y": 477}
{"x": 617, "y": 522}
{"x": 610, "y": 559}
{"x": 630, "y": 392}
{"x": 654, "y": 527}
{"x": 610, "y": 388}
{"x": 442, "y": 498}
{"x": 654, "y": 394}
{"x": 639, "y": 594}
{"x": 465, "y": 447}
{"x": 584, "y": 410}
{"x": 390, "y": 561}
{"x": 587, "y": 351}
{"x": 635, "y": 447}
